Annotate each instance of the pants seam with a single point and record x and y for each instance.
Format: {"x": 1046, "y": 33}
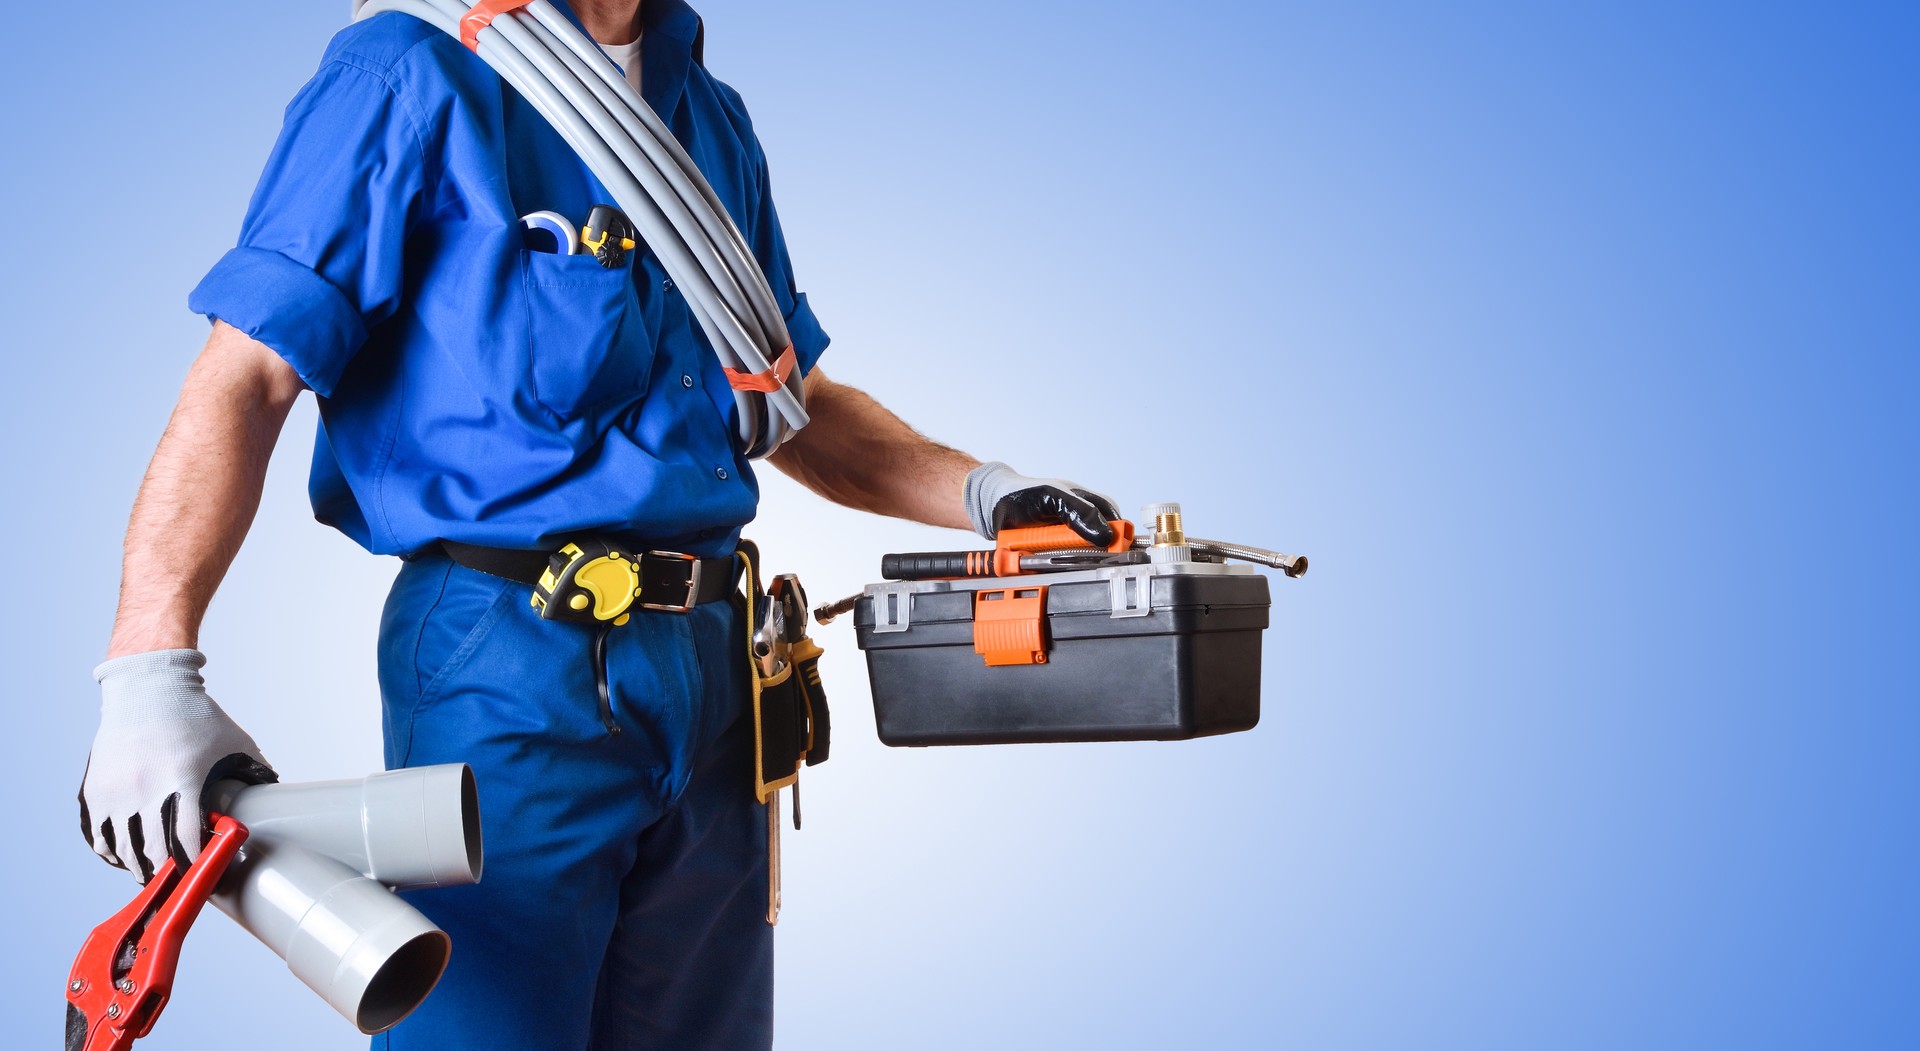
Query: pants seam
{"x": 420, "y": 630}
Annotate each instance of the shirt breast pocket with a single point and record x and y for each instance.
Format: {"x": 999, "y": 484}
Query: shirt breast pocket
{"x": 588, "y": 335}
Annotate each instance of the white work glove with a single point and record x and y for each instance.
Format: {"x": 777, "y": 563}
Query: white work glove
{"x": 161, "y": 741}
{"x": 998, "y": 497}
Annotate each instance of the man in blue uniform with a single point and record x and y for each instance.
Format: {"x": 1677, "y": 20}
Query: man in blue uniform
{"x": 476, "y": 393}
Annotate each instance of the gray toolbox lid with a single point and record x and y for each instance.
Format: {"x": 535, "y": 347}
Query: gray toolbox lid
{"x": 1084, "y": 602}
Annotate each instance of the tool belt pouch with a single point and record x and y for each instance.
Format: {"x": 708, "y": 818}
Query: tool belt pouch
{"x": 779, "y": 733}
{"x": 791, "y": 726}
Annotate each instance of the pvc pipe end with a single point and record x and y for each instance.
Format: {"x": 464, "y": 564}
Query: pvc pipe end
{"x": 421, "y": 826}
{"x": 368, "y": 953}
{"x": 403, "y": 982}
{"x": 461, "y": 863}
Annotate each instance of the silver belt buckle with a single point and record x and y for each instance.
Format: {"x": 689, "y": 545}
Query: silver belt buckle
{"x": 693, "y": 583}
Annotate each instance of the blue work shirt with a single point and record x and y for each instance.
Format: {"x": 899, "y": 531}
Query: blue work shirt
{"x": 471, "y": 389}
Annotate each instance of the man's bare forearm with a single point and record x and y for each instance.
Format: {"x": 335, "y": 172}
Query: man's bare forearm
{"x": 856, "y": 453}
{"x": 201, "y": 491}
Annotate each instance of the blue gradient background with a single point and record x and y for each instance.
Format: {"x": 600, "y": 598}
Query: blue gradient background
{"x": 1575, "y": 343}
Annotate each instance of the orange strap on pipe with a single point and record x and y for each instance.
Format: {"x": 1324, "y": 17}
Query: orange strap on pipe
{"x": 481, "y": 15}
{"x": 765, "y": 382}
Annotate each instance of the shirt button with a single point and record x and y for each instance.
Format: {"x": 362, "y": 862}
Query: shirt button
{"x": 720, "y": 473}
{"x": 667, "y": 285}
{"x": 686, "y": 380}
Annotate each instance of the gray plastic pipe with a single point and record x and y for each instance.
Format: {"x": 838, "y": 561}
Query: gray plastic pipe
{"x": 312, "y": 881}
{"x": 409, "y": 829}
{"x": 370, "y": 956}
{"x": 703, "y": 221}
{"x": 673, "y": 182}
{"x": 625, "y": 121}
{"x": 708, "y": 234}
{"x": 596, "y": 135}
{"x": 578, "y": 90}
{"x": 588, "y": 63}
{"x": 671, "y": 159}
{"x": 650, "y": 134}
{"x": 559, "y": 98}
{"x": 563, "y": 95}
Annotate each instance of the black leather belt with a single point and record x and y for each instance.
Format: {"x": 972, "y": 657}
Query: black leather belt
{"x": 669, "y": 580}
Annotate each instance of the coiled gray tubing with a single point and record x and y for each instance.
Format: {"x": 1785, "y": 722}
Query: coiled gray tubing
{"x": 671, "y": 204}
{"x": 679, "y": 168}
{"x": 533, "y": 78}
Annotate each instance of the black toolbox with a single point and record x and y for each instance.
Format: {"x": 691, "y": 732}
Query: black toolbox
{"x": 1132, "y": 653}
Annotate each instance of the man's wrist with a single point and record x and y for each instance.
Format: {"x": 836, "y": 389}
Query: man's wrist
{"x": 144, "y": 635}
{"x": 981, "y": 491}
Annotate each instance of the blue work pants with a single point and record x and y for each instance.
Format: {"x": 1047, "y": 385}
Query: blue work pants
{"x": 623, "y": 902}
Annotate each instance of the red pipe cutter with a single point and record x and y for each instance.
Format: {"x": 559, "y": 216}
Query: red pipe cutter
{"x": 124, "y": 972}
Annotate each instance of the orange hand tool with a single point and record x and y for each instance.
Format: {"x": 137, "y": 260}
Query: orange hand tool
{"x": 1011, "y": 546}
{"x": 124, "y": 973}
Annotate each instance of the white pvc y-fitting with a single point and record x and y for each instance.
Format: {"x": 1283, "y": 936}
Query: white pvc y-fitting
{"x": 370, "y": 955}
{"x": 406, "y": 828}
{"x": 312, "y": 880}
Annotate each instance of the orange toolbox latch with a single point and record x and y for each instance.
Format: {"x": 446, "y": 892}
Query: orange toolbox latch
{"x": 1009, "y": 626}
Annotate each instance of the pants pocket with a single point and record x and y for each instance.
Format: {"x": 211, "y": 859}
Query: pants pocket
{"x": 437, "y": 615}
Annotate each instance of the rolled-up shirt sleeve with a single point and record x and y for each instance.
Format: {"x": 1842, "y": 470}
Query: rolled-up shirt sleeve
{"x": 320, "y": 259}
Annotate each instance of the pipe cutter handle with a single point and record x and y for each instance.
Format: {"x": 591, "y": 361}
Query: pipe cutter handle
{"x": 124, "y": 974}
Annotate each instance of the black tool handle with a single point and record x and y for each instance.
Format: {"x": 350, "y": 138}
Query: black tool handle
{"x": 934, "y": 565}
{"x": 820, "y": 720}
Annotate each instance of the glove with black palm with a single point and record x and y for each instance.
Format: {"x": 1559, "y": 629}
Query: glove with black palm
{"x": 998, "y": 498}
{"x": 161, "y": 741}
